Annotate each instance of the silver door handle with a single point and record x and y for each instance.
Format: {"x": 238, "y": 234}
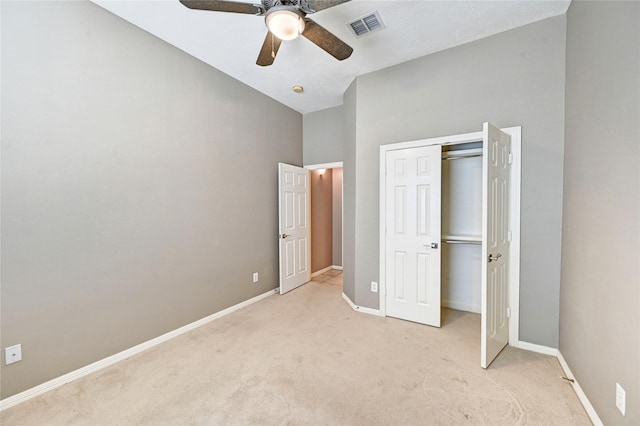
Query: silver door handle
{"x": 283, "y": 236}
{"x": 432, "y": 245}
{"x": 496, "y": 257}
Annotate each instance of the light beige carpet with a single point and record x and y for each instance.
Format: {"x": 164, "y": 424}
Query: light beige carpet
{"x": 308, "y": 358}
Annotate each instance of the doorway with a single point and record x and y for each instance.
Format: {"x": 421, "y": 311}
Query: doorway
{"x": 326, "y": 219}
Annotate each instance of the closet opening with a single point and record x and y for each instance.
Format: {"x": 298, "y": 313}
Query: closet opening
{"x": 450, "y": 232}
{"x": 461, "y": 210}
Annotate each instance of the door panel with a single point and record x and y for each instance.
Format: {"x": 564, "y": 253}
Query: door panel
{"x": 413, "y": 228}
{"x": 495, "y": 243}
{"x": 293, "y": 193}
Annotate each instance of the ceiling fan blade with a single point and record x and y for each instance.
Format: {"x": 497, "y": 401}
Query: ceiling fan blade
{"x": 326, "y": 41}
{"x": 269, "y": 50}
{"x": 221, "y": 6}
{"x": 324, "y": 4}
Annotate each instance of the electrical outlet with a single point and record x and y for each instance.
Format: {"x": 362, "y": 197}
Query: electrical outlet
{"x": 255, "y": 277}
{"x": 374, "y": 286}
{"x": 621, "y": 397}
{"x": 12, "y": 354}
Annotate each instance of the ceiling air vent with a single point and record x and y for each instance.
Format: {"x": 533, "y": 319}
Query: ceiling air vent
{"x": 367, "y": 24}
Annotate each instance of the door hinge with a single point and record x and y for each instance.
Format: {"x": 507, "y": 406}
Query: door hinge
{"x": 508, "y": 312}
{"x": 510, "y": 158}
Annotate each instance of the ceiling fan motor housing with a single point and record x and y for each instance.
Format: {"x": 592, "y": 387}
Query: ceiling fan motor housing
{"x": 271, "y": 3}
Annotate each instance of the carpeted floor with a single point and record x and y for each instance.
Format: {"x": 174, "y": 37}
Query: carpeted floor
{"x": 308, "y": 358}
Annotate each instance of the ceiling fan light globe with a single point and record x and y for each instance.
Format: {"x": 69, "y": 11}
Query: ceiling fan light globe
{"x": 285, "y": 24}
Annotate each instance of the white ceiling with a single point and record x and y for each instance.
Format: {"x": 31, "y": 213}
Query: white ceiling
{"x": 230, "y": 42}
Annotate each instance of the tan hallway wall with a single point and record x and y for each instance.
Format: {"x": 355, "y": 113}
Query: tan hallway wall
{"x": 321, "y": 219}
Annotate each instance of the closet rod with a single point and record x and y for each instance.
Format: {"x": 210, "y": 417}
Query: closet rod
{"x": 461, "y": 242}
{"x": 458, "y": 157}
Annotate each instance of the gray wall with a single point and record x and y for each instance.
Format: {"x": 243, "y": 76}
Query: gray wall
{"x": 131, "y": 178}
{"x": 510, "y": 79}
{"x": 600, "y": 291}
{"x": 323, "y": 136}
{"x": 349, "y": 192}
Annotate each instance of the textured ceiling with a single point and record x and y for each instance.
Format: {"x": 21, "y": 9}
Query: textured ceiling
{"x": 230, "y": 42}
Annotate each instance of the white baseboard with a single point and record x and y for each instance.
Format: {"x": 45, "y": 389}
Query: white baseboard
{"x": 321, "y": 271}
{"x": 127, "y": 353}
{"x": 458, "y": 306}
{"x": 591, "y": 412}
{"x": 327, "y": 269}
{"x": 546, "y": 350}
{"x": 362, "y": 309}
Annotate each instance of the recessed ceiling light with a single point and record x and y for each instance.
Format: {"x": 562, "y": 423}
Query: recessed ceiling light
{"x": 298, "y": 89}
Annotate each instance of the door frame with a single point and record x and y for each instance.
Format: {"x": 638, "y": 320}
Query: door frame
{"x": 514, "y": 215}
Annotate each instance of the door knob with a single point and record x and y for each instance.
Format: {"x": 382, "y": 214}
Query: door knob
{"x": 496, "y": 257}
{"x": 283, "y": 236}
{"x": 432, "y": 245}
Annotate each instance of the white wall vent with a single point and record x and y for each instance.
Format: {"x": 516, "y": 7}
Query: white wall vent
{"x": 367, "y": 24}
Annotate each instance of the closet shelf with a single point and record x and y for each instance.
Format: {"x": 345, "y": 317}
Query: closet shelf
{"x": 462, "y": 239}
{"x": 466, "y": 153}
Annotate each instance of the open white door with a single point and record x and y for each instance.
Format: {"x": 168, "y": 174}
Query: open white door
{"x": 495, "y": 243}
{"x": 294, "y": 218}
{"x": 413, "y": 228}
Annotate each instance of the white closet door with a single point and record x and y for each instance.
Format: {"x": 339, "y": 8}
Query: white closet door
{"x": 495, "y": 243}
{"x": 294, "y": 217}
{"x": 413, "y": 228}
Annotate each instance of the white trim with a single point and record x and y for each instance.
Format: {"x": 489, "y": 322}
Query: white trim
{"x": 459, "y": 306}
{"x": 514, "y": 211}
{"x": 327, "y": 269}
{"x": 591, "y": 412}
{"x": 120, "y": 356}
{"x": 546, "y": 350}
{"x": 335, "y": 165}
{"x": 346, "y": 298}
{"x": 444, "y": 140}
{"x": 341, "y": 220}
{"x": 362, "y": 309}
{"x": 382, "y": 231}
{"x": 321, "y": 271}
{"x": 514, "y": 219}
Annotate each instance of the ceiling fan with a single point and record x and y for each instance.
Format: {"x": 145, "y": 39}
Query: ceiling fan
{"x": 286, "y": 20}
